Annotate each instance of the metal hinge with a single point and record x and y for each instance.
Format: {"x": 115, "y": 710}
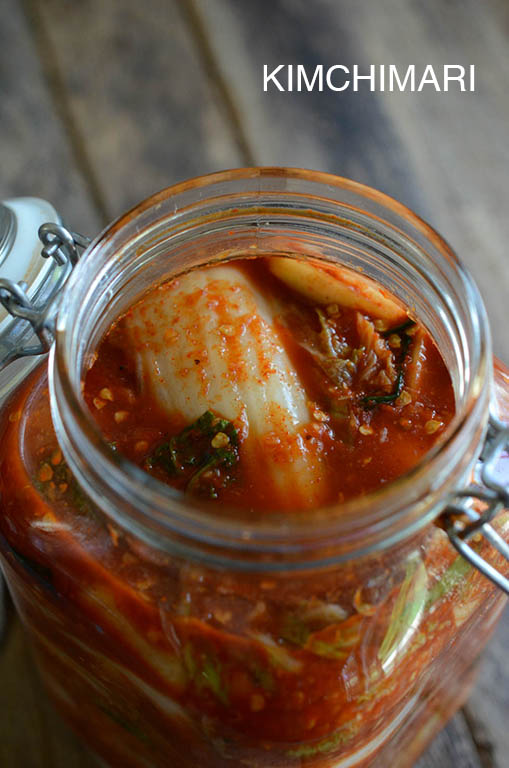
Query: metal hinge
{"x": 64, "y": 247}
{"x": 471, "y": 512}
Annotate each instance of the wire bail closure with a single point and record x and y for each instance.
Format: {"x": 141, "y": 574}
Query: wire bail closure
{"x": 61, "y": 244}
{"x": 64, "y": 247}
{"x": 473, "y": 509}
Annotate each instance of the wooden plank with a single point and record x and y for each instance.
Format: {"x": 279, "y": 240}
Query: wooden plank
{"x": 348, "y": 134}
{"x": 36, "y": 154}
{"x": 488, "y": 707}
{"x": 31, "y": 733}
{"x": 453, "y": 747}
{"x": 446, "y": 155}
{"x": 139, "y": 91}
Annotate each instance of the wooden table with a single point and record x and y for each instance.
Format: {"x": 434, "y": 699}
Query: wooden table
{"x": 103, "y": 103}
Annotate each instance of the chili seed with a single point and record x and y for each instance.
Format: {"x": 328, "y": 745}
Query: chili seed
{"x": 365, "y": 430}
{"x": 121, "y": 416}
{"x": 432, "y": 426}
{"x": 332, "y": 309}
{"x": 99, "y": 403}
{"x": 220, "y": 440}
{"x": 404, "y": 399}
{"x": 141, "y": 446}
{"x": 106, "y": 394}
{"x": 227, "y": 330}
{"x": 394, "y": 341}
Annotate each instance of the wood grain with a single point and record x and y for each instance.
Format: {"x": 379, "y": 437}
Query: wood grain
{"x": 488, "y": 707}
{"x": 32, "y": 735}
{"x": 348, "y": 134}
{"x": 36, "y": 155}
{"x": 453, "y": 747}
{"x": 138, "y": 89}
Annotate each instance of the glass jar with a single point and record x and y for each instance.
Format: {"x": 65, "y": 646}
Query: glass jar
{"x": 170, "y": 635}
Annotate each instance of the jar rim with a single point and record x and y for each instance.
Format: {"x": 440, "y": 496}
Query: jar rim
{"x": 159, "y": 513}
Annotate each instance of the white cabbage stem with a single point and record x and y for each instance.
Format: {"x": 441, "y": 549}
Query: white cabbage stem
{"x": 207, "y": 341}
{"x": 331, "y": 284}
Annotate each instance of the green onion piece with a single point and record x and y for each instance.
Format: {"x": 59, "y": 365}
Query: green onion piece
{"x": 205, "y": 672}
{"x": 211, "y": 676}
{"x": 407, "y": 612}
{"x": 294, "y": 630}
{"x": 451, "y": 578}
{"x": 192, "y": 447}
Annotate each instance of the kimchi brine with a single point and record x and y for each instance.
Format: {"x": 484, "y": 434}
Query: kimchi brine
{"x": 276, "y": 386}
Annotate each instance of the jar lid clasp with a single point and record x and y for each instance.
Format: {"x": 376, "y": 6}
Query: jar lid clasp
{"x": 471, "y": 512}
{"x": 64, "y": 247}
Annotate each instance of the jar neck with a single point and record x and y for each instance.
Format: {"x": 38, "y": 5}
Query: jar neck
{"x": 255, "y": 212}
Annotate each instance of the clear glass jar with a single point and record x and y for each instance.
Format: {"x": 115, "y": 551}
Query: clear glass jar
{"x": 144, "y": 606}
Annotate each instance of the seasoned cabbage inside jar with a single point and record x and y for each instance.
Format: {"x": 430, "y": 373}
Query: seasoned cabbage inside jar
{"x": 273, "y": 383}
{"x": 278, "y": 388}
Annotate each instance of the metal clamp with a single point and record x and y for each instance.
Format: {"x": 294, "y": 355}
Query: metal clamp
{"x": 61, "y": 244}
{"x": 475, "y": 507}
{"x": 64, "y": 247}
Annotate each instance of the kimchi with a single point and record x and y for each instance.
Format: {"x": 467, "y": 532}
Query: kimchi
{"x": 279, "y": 386}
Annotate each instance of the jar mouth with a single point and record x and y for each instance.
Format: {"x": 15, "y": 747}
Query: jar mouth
{"x": 259, "y": 204}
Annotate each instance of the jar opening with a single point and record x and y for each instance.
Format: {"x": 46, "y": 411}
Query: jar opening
{"x": 291, "y": 212}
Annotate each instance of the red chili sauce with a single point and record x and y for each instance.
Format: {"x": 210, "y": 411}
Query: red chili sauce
{"x": 377, "y": 395}
{"x": 250, "y": 385}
